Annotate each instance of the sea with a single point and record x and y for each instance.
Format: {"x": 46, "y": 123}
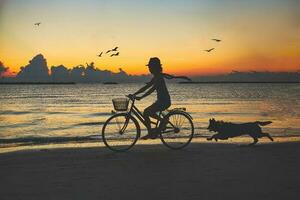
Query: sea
{"x": 40, "y": 114}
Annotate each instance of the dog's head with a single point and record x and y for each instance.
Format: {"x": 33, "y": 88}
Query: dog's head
{"x": 212, "y": 125}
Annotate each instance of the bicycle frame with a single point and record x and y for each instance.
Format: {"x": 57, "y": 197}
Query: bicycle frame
{"x": 135, "y": 111}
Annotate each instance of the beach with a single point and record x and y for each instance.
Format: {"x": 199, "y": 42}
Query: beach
{"x": 203, "y": 170}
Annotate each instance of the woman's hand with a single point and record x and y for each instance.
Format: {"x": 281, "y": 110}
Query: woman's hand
{"x": 131, "y": 96}
{"x": 138, "y": 98}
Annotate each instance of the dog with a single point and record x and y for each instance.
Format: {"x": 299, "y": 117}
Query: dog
{"x": 227, "y": 130}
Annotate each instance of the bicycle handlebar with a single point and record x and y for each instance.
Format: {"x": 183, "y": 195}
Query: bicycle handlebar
{"x": 131, "y": 97}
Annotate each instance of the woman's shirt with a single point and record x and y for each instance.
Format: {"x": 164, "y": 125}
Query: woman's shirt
{"x": 161, "y": 89}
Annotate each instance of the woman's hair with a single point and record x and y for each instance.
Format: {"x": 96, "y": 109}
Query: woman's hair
{"x": 155, "y": 67}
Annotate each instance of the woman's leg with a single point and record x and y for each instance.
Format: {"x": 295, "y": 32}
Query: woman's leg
{"x": 150, "y": 112}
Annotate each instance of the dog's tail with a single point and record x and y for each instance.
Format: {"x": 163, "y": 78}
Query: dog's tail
{"x": 263, "y": 123}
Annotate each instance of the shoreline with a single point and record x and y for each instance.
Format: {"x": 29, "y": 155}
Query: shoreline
{"x": 96, "y": 143}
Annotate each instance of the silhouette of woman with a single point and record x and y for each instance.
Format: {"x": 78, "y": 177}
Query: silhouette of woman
{"x": 157, "y": 84}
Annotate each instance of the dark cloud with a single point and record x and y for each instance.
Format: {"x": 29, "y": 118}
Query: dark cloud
{"x": 92, "y": 74}
{"x": 35, "y": 71}
{"x": 60, "y": 74}
{"x": 77, "y": 73}
{"x": 253, "y": 76}
{"x": 3, "y": 69}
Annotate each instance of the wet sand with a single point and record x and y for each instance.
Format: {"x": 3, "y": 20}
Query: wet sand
{"x": 204, "y": 170}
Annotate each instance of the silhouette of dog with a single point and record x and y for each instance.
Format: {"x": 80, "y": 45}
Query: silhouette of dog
{"x": 227, "y": 130}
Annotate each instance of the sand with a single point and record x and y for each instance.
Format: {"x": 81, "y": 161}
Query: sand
{"x": 204, "y": 170}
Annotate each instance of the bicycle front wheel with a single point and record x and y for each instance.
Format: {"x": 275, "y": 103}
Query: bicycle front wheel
{"x": 120, "y": 132}
{"x": 178, "y": 130}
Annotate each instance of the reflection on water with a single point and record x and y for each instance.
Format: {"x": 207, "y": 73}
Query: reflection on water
{"x": 78, "y": 111}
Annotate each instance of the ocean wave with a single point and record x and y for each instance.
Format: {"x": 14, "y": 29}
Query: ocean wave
{"x": 12, "y": 112}
{"x": 19, "y": 125}
{"x": 89, "y": 124}
{"x": 59, "y": 113}
{"x": 231, "y": 113}
{"x": 100, "y": 114}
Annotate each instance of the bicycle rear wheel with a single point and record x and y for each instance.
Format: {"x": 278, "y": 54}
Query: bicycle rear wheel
{"x": 120, "y": 132}
{"x": 178, "y": 130}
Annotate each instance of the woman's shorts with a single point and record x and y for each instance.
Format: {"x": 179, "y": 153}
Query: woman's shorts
{"x": 157, "y": 106}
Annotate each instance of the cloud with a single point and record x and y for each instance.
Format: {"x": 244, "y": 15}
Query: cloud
{"x": 253, "y": 76}
{"x": 3, "y": 69}
{"x": 35, "y": 71}
{"x": 77, "y": 73}
{"x": 60, "y": 74}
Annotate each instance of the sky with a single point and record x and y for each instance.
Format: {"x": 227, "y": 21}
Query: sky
{"x": 260, "y": 35}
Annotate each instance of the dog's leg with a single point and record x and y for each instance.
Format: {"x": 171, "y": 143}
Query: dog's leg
{"x": 254, "y": 142}
{"x": 210, "y": 138}
{"x": 215, "y": 136}
{"x": 268, "y": 136}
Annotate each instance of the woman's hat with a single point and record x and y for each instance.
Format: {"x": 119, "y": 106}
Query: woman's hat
{"x": 154, "y": 61}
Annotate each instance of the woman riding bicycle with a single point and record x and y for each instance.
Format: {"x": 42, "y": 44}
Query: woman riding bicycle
{"x": 163, "y": 101}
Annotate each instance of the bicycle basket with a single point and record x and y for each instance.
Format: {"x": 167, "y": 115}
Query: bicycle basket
{"x": 120, "y": 104}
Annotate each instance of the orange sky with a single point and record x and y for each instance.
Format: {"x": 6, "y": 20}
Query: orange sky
{"x": 256, "y": 35}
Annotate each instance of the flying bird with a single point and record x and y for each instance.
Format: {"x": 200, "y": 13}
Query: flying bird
{"x": 217, "y": 40}
{"x": 100, "y": 54}
{"x": 37, "y": 24}
{"x": 108, "y": 51}
{"x": 115, "y": 49}
{"x": 116, "y": 54}
{"x": 209, "y": 50}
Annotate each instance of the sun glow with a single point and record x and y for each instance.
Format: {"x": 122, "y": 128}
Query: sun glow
{"x": 74, "y": 33}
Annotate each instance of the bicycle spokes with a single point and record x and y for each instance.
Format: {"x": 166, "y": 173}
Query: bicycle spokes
{"x": 124, "y": 125}
{"x": 178, "y": 130}
{"x": 120, "y": 132}
{"x": 177, "y": 120}
{"x": 121, "y": 124}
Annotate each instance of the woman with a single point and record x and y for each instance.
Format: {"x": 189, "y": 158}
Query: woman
{"x": 157, "y": 84}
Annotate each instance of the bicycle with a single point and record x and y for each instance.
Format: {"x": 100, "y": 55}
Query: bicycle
{"x": 122, "y": 130}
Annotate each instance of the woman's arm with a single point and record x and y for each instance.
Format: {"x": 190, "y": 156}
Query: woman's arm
{"x": 143, "y": 89}
{"x": 146, "y": 93}
{"x": 168, "y": 76}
